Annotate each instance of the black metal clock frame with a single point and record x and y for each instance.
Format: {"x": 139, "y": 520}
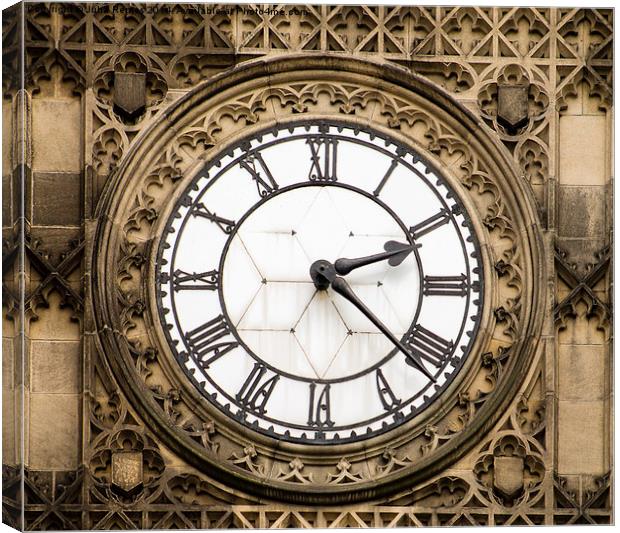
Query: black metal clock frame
{"x": 323, "y": 176}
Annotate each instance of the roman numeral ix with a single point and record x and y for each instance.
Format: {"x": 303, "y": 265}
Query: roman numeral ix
{"x": 195, "y": 281}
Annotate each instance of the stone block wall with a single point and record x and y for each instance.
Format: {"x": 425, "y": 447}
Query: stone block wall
{"x": 62, "y": 139}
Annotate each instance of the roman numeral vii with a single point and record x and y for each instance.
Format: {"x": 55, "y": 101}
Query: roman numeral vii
{"x": 257, "y": 389}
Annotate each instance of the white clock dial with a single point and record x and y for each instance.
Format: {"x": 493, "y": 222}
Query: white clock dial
{"x": 292, "y": 354}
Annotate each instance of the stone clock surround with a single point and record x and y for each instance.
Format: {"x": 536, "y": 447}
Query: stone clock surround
{"x": 345, "y": 185}
{"x": 252, "y": 97}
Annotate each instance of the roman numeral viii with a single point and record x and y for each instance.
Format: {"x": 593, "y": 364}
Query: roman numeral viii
{"x": 206, "y": 342}
{"x": 324, "y": 158}
{"x": 429, "y": 346}
{"x": 257, "y": 389}
{"x": 445, "y": 285}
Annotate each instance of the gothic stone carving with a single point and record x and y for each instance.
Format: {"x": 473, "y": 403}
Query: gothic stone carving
{"x": 415, "y": 113}
{"x": 462, "y": 50}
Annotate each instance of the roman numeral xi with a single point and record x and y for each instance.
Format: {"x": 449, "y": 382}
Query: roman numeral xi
{"x": 258, "y": 169}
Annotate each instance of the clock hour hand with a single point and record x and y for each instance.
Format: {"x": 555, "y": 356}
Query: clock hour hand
{"x": 343, "y": 288}
{"x": 395, "y": 252}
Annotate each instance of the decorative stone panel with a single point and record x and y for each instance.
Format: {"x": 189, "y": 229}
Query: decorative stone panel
{"x": 513, "y": 104}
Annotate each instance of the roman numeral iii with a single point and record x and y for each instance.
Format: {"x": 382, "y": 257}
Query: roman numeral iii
{"x": 445, "y": 285}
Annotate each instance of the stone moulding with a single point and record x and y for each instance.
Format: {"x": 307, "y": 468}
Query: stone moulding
{"x": 254, "y": 96}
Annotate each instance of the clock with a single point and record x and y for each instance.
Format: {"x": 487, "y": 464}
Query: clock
{"x": 319, "y": 283}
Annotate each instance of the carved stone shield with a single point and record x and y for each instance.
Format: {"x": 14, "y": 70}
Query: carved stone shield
{"x": 130, "y": 91}
{"x": 512, "y": 109}
{"x": 127, "y": 470}
{"x": 508, "y": 474}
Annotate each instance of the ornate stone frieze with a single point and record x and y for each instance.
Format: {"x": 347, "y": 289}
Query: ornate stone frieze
{"x": 482, "y": 93}
{"x": 352, "y": 98}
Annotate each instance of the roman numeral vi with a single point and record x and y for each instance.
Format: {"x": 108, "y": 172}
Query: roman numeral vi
{"x": 319, "y": 407}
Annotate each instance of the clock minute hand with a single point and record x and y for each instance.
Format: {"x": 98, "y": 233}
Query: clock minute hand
{"x": 396, "y": 252}
{"x": 343, "y": 288}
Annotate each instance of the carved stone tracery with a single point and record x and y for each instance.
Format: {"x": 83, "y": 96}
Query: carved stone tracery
{"x": 447, "y": 46}
{"x": 358, "y": 99}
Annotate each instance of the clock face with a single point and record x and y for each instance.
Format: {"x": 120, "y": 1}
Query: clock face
{"x": 271, "y": 323}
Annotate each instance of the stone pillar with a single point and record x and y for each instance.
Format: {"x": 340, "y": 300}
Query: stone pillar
{"x": 54, "y": 329}
{"x": 583, "y": 365}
